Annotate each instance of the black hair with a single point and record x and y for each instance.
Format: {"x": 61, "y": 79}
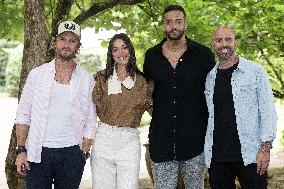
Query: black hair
{"x": 174, "y": 8}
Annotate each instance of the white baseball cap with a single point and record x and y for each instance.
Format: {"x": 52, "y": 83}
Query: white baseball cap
{"x": 69, "y": 26}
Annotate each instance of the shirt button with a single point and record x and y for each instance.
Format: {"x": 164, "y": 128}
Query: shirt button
{"x": 174, "y": 87}
{"x": 174, "y": 72}
{"x": 174, "y": 101}
{"x": 175, "y": 116}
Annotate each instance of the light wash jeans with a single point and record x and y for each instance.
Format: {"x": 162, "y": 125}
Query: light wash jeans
{"x": 166, "y": 173}
{"x": 115, "y": 158}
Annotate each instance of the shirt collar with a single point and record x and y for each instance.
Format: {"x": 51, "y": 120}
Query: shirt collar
{"x": 241, "y": 65}
{"x": 189, "y": 43}
{"x": 114, "y": 85}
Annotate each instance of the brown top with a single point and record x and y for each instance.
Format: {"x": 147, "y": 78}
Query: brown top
{"x": 126, "y": 108}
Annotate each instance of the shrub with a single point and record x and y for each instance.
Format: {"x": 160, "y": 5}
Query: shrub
{"x": 282, "y": 138}
{"x": 13, "y": 71}
{"x": 92, "y": 63}
{"x": 146, "y": 119}
{"x": 3, "y": 65}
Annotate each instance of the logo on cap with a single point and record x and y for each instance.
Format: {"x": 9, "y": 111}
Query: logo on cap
{"x": 70, "y": 26}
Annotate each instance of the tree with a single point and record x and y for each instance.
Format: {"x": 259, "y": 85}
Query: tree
{"x": 259, "y": 24}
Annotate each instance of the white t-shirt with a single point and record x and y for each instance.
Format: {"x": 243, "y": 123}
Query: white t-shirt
{"x": 60, "y": 131}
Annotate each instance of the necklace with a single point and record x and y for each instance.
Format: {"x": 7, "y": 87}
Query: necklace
{"x": 63, "y": 76}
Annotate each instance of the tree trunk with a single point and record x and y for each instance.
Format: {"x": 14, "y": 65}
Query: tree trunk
{"x": 35, "y": 48}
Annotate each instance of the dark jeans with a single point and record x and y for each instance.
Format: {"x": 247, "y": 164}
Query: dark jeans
{"x": 223, "y": 175}
{"x": 63, "y": 166}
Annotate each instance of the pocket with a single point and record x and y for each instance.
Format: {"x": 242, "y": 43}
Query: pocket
{"x": 250, "y": 88}
{"x": 247, "y": 94}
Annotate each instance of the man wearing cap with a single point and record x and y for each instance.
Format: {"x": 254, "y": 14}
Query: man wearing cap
{"x": 55, "y": 121}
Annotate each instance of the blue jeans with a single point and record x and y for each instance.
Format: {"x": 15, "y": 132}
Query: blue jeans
{"x": 62, "y": 166}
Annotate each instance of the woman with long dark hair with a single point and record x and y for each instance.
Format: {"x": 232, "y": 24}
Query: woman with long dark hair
{"x": 121, "y": 94}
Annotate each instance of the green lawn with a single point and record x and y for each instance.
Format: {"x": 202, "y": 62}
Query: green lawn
{"x": 275, "y": 181}
{"x": 276, "y": 178}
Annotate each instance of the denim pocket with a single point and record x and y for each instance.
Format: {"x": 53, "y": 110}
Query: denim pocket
{"x": 250, "y": 88}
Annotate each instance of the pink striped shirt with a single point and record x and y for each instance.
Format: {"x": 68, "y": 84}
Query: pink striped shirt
{"x": 34, "y": 105}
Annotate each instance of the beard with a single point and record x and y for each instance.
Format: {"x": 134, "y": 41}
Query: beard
{"x": 175, "y": 37}
{"x": 225, "y": 53}
{"x": 66, "y": 56}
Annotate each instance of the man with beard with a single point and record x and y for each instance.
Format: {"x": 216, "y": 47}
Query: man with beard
{"x": 55, "y": 121}
{"x": 242, "y": 118}
{"x": 178, "y": 66}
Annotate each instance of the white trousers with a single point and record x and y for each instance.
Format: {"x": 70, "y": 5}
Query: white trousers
{"x": 115, "y": 158}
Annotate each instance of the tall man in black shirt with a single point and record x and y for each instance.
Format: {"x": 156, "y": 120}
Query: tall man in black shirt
{"x": 178, "y": 67}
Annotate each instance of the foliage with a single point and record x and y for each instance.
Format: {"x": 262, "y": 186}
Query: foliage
{"x": 282, "y": 138}
{"x": 11, "y": 19}
{"x": 146, "y": 119}
{"x": 259, "y": 25}
{"x": 13, "y": 71}
{"x": 3, "y": 64}
{"x": 92, "y": 63}
{"x": 4, "y": 44}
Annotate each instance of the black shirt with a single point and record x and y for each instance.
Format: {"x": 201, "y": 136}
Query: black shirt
{"x": 180, "y": 114}
{"x": 226, "y": 143}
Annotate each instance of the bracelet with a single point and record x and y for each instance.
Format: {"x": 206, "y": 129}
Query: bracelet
{"x": 86, "y": 154}
{"x": 265, "y": 150}
{"x": 21, "y": 149}
{"x": 267, "y": 144}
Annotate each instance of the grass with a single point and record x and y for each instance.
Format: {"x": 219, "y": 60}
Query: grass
{"x": 275, "y": 180}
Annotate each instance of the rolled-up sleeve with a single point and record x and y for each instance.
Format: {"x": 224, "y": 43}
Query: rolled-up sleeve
{"x": 23, "y": 114}
{"x": 90, "y": 126}
{"x": 267, "y": 111}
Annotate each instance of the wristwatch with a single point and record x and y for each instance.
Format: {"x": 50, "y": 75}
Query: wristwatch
{"x": 20, "y": 149}
{"x": 86, "y": 154}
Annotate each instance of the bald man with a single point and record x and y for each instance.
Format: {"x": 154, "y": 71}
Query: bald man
{"x": 242, "y": 118}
